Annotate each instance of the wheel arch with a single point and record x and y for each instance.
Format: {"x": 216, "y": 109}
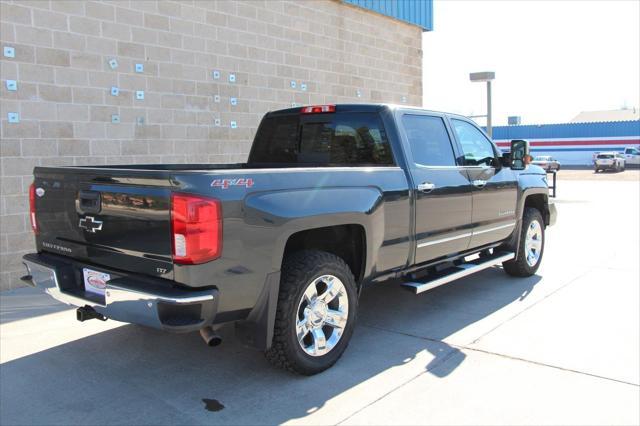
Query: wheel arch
{"x": 535, "y": 197}
{"x": 533, "y": 192}
{"x": 539, "y": 201}
{"x": 347, "y": 241}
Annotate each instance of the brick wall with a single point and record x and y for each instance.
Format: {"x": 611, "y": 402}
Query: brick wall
{"x": 64, "y": 80}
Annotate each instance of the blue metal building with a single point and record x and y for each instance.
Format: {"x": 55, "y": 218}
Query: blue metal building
{"x": 572, "y": 143}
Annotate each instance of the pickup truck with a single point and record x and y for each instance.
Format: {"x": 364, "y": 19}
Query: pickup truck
{"x": 333, "y": 198}
{"x": 632, "y": 156}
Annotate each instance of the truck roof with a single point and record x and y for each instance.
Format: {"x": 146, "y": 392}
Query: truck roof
{"x": 363, "y": 107}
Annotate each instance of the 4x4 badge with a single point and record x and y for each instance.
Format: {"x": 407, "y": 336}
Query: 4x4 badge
{"x": 90, "y": 224}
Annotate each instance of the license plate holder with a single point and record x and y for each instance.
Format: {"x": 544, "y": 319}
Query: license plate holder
{"x": 95, "y": 281}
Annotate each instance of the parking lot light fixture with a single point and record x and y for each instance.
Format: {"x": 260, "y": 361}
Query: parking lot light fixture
{"x": 487, "y": 76}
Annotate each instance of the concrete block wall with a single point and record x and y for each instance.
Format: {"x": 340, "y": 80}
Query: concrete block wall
{"x": 62, "y": 52}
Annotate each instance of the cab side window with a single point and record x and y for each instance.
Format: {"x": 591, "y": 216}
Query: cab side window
{"x": 429, "y": 140}
{"x": 477, "y": 149}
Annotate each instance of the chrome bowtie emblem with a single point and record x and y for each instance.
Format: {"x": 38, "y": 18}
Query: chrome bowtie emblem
{"x": 90, "y": 224}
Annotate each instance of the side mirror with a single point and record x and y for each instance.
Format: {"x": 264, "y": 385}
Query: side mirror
{"x": 519, "y": 154}
{"x": 505, "y": 159}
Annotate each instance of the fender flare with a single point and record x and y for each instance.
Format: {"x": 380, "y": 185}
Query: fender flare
{"x": 307, "y": 209}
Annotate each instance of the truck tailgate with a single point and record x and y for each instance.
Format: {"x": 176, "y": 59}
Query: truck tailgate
{"x": 121, "y": 222}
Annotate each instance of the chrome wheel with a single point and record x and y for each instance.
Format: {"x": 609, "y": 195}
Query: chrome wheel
{"x": 322, "y": 315}
{"x": 533, "y": 243}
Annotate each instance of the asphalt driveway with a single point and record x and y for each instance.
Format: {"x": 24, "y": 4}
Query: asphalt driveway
{"x": 561, "y": 347}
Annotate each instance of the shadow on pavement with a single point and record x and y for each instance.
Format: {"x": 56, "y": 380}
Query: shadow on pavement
{"x": 134, "y": 375}
{"x": 27, "y": 302}
{"x": 443, "y": 311}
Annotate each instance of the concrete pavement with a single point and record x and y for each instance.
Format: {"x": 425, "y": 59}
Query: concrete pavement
{"x": 561, "y": 347}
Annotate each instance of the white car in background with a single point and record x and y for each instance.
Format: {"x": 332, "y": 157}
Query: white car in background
{"x": 609, "y": 161}
{"x": 547, "y": 162}
{"x": 632, "y": 156}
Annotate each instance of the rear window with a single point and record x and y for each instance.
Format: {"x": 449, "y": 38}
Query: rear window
{"x": 605, "y": 156}
{"x": 322, "y": 139}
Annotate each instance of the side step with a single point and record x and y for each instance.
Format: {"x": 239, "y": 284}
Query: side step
{"x": 458, "y": 272}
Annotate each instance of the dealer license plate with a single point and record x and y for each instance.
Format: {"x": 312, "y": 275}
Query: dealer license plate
{"x": 95, "y": 281}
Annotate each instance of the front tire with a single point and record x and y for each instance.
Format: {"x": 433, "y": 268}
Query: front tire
{"x": 531, "y": 245}
{"x": 316, "y": 313}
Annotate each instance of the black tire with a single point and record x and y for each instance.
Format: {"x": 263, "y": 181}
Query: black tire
{"x": 558, "y": 168}
{"x": 519, "y": 267}
{"x": 298, "y": 271}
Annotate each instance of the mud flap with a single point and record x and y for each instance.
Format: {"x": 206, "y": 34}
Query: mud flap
{"x": 257, "y": 330}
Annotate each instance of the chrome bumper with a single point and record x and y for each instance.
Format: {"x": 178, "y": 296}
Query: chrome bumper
{"x": 127, "y": 299}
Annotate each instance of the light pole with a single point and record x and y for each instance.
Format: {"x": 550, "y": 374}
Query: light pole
{"x": 480, "y": 77}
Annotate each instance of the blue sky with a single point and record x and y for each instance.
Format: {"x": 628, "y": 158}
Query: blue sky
{"x": 552, "y": 59}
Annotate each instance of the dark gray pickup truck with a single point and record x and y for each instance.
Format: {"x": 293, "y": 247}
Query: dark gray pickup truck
{"x": 332, "y": 198}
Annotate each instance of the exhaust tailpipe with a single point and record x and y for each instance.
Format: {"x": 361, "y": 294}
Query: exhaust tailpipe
{"x": 27, "y": 279}
{"x": 210, "y": 337}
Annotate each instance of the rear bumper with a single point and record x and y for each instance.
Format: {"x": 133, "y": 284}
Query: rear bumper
{"x": 133, "y": 299}
{"x": 605, "y": 166}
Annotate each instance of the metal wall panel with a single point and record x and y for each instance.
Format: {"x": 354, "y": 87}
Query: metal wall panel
{"x": 417, "y": 12}
{"x": 568, "y": 130}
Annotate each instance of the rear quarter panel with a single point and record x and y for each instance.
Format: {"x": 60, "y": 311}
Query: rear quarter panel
{"x": 259, "y": 218}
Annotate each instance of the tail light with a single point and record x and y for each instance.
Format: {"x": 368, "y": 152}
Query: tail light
{"x": 32, "y": 208}
{"x": 196, "y": 227}
{"x": 318, "y": 109}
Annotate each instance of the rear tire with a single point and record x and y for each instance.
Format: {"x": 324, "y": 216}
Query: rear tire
{"x": 307, "y": 277}
{"x": 531, "y": 246}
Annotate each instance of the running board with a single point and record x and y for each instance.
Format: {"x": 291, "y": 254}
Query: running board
{"x": 459, "y": 271}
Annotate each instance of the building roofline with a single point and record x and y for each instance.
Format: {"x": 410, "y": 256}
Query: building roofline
{"x": 414, "y": 12}
{"x": 569, "y": 124}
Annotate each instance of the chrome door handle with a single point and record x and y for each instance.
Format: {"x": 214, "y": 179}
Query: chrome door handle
{"x": 479, "y": 183}
{"x": 426, "y": 187}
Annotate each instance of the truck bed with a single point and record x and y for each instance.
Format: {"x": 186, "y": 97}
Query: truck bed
{"x": 135, "y": 208}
